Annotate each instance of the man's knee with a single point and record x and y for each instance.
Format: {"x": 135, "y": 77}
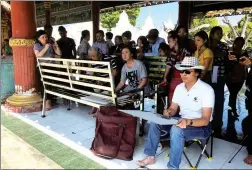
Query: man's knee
{"x": 154, "y": 126}
{"x": 176, "y": 132}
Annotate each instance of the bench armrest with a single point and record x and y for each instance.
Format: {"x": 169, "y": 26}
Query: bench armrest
{"x": 129, "y": 92}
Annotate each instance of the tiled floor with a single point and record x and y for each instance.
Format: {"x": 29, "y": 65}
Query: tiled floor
{"x": 79, "y": 127}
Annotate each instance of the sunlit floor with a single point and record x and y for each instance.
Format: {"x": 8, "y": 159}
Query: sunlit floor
{"x": 79, "y": 127}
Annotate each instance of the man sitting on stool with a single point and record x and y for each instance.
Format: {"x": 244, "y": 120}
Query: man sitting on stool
{"x": 196, "y": 101}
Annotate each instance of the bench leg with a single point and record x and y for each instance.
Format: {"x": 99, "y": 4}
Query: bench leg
{"x": 44, "y": 106}
{"x": 68, "y": 105}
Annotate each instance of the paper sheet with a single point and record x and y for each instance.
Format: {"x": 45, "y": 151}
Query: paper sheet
{"x": 150, "y": 116}
{"x": 215, "y": 74}
{"x": 95, "y": 99}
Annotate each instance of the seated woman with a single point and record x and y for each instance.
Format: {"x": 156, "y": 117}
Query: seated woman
{"x": 42, "y": 48}
{"x": 142, "y": 48}
{"x": 95, "y": 54}
{"x": 134, "y": 71}
{"x": 204, "y": 54}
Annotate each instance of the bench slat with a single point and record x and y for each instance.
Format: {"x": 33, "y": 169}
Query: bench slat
{"x": 157, "y": 69}
{"x": 81, "y": 91}
{"x": 156, "y": 58}
{"x": 156, "y": 75}
{"x": 72, "y": 60}
{"x": 158, "y": 63}
{"x": 74, "y": 99}
{"x": 78, "y": 83}
{"x": 53, "y": 65}
{"x": 76, "y": 75}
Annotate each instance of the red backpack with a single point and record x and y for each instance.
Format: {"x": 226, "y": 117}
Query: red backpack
{"x": 114, "y": 134}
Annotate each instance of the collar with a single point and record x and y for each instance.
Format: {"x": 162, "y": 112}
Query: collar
{"x": 194, "y": 86}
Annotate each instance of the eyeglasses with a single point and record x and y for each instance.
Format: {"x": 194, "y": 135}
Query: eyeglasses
{"x": 185, "y": 71}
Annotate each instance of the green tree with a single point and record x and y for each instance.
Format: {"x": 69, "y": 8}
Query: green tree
{"x": 205, "y": 24}
{"x": 109, "y": 20}
{"x": 133, "y": 14}
{"x": 243, "y": 29}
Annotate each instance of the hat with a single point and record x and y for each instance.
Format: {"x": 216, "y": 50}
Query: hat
{"x": 189, "y": 63}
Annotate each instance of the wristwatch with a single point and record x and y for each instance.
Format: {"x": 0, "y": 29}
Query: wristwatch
{"x": 191, "y": 122}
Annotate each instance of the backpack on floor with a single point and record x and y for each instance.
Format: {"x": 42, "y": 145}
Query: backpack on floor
{"x": 114, "y": 134}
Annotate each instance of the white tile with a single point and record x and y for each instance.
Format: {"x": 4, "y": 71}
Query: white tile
{"x": 77, "y": 138}
{"x": 75, "y": 128}
{"x": 87, "y": 143}
{"x": 237, "y": 162}
{"x": 88, "y": 133}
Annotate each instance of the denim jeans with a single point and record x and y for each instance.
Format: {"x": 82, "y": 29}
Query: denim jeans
{"x": 178, "y": 136}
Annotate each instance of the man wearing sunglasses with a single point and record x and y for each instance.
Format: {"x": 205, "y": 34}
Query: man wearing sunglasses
{"x": 195, "y": 100}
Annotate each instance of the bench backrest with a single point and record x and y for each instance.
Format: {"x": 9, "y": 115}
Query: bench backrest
{"x": 156, "y": 66}
{"x": 67, "y": 75}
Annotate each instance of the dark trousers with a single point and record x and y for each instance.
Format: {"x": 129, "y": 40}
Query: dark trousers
{"x": 219, "y": 104}
{"x": 234, "y": 89}
{"x": 247, "y": 130}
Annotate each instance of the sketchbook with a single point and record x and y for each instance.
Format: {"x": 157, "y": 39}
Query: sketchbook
{"x": 152, "y": 117}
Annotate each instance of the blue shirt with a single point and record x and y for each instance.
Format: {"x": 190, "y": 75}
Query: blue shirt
{"x": 155, "y": 46}
{"x": 103, "y": 46}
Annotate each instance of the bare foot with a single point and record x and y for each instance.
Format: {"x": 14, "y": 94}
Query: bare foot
{"x": 92, "y": 111}
{"x": 149, "y": 160}
{"x": 248, "y": 160}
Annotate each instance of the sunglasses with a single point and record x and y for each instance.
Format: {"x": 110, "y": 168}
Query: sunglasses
{"x": 185, "y": 71}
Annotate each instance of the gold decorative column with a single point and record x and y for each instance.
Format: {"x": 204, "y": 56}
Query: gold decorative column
{"x": 26, "y": 98}
{"x": 47, "y": 6}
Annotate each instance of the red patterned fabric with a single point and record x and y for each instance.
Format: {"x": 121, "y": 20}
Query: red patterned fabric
{"x": 176, "y": 80}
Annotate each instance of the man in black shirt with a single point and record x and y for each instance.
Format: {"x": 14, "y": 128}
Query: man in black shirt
{"x": 67, "y": 45}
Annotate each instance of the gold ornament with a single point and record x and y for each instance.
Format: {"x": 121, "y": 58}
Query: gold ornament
{"x": 21, "y": 42}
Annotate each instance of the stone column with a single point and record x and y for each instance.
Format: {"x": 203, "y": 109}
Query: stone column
{"x": 95, "y": 17}
{"x": 25, "y": 98}
{"x": 184, "y": 13}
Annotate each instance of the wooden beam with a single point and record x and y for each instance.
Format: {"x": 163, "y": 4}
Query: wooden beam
{"x": 95, "y": 17}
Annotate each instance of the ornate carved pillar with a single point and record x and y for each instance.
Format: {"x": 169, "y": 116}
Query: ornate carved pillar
{"x": 184, "y": 13}
{"x": 95, "y": 17}
{"x": 47, "y": 6}
{"x": 25, "y": 98}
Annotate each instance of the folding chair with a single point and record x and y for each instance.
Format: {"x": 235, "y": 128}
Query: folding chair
{"x": 203, "y": 148}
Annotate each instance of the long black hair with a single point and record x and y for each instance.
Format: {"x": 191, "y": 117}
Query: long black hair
{"x": 202, "y": 34}
{"x": 145, "y": 43}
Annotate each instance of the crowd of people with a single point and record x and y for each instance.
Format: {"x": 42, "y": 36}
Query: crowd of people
{"x": 196, "y": 73}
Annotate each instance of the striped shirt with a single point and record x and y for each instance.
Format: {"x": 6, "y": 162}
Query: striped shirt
{"x": 106, "y": 58}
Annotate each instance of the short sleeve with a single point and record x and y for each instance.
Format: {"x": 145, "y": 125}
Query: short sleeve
{"x": 208, "y": 54}
{"x": 123, "y": 74}
{"x": 142, "y": 71}
{"x": 175, "y": 97}
{"x": 37, "y": 47}
{"x": 208, "y": 100}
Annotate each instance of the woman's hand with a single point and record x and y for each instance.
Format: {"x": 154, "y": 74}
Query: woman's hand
{"x": 47, "y": 46}
{"x": 231, "y": 56}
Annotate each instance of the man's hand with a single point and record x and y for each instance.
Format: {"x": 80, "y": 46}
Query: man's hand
{"x": 167, "y": 113}
{"x": 182, "y": 123}
{"x": 246, "y": 61}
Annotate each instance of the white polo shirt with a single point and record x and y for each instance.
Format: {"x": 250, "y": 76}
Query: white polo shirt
{"x": 191, "y": 102}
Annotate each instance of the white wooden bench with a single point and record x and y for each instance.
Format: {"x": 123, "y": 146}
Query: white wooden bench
{"x": 62, "y": 78}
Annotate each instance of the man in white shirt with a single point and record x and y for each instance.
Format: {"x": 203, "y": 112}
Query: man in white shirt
{"x": 195, "y": 99}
